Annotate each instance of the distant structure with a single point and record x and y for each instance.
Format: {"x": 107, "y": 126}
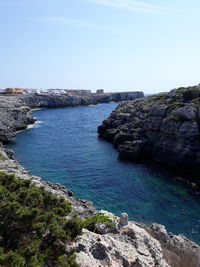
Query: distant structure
{"x": 13, "y": 91}
{"x": 57, "y": 91}
{"x": 78, "y": 91}
{"x": 29, "y": 91}
{"x": 100, "y": 91}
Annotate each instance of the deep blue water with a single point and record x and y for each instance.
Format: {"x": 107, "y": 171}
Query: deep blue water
{"x": 64, "y": 148}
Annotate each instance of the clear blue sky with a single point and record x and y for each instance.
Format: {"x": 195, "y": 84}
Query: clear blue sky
{"x": 117, "y": 45}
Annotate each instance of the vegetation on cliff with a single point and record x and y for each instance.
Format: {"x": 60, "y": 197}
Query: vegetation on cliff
{"x": 34, "y": 230}
{"x": 2, "y": 157}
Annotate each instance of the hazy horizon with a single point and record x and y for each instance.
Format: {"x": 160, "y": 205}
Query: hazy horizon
{"x": 117, "y": 45}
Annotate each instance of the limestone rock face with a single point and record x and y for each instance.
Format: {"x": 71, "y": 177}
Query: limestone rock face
{"x": 178, "y": 250}
{"x": 136, "y": 245}
{"x": 14, "y": 116}
{"x": 164, "y": 127}
{"x": 130, "y": 246}
{"x": 54, "y": 101}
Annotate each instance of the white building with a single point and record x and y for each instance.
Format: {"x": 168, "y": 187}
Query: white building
{"x": 31, "y": 91}
{"x": 56, "y": 91}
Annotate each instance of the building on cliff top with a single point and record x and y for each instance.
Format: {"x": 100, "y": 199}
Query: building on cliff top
{"x": 56, "y": 91}
{"x": 100, "y": 91}
{"x": 78, "y": 92}
{"x": 29, "y": 91}
{"x": 13, "y": 91}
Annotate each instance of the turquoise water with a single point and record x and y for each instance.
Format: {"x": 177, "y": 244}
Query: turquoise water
{"x": 64, "y": 148}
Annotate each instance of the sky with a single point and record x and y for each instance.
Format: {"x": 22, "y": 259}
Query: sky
{"x": 119, "y": 45}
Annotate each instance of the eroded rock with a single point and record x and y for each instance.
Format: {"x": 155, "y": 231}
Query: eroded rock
{"x": 163, "y": 127}
{"x": 123, "y": 219}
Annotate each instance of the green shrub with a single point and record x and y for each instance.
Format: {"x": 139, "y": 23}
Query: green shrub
{"x": 187, "y": 94}
{"x": 91, "y": 222}
{"x": 191, "y": 94}
{"x": 197, "y": 104}
{"x": 175, "y": 117}
{"x": 69, "y": 261}
{"x": 33, "y": 229}
{"x": 174, "y": 105}
{"x": 158, "y": 97}
{"x": 2, "y": 157}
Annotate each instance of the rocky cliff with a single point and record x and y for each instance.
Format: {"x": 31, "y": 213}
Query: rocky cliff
{"x": 125, "y": 243}
{"x": 116, "y": 97}
{"x": 54, "y": 101}
{"x": 163, "y": 127}
{"x": 14, "y": 116}
{"x": 15, "y": 113}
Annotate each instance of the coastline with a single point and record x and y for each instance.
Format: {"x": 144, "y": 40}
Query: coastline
{"x": 153, "y": 238}
{"x": 162, "y": 128}
{"x": 152, "y": 241}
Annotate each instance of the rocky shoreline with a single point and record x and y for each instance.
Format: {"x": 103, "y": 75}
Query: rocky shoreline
{"x": 14, "y": 116}
{"x": 57, "y": 101}
{"x": 131, "y": 244}
{"x": 15, "y": 110}
{"x": 134, "y": 244}
{"x": 164, "y": 128}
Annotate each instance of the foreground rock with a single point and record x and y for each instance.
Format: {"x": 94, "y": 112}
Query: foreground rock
{"x": 163, "y": 127}
{"x": 129, "y": 246}
{"x": 134, "y": 245}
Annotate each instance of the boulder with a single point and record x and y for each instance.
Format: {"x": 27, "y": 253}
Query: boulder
{"x": 123, "y": 219}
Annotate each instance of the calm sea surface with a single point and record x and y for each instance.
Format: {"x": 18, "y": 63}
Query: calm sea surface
{"x": 63, "y": 147}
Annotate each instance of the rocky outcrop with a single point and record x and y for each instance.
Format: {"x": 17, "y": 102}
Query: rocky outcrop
{"x": 116, "y": 97}
{"x": 163, "y": 128}
{"x": 177, "y": 250}
{"x": 14, "y": 116}
{"x": 55, "y": 101}
{"x": 119, "y": 249}
{"x": 135, "y": 245}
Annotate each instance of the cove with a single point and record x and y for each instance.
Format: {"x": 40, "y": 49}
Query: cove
{"x": 63, "y": 147}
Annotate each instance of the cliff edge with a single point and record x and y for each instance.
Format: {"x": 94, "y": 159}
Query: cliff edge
{"x": 163, "y": 127}
{"x": 70, "y": 100}
{"x": 14, "y": 116}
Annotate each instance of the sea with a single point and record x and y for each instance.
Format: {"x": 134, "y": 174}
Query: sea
{"x": 63, "y": 147}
